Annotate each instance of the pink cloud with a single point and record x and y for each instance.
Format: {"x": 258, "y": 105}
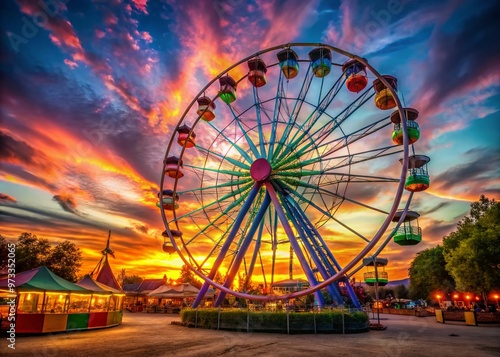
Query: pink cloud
{"x": 140, "y": 5}
{"x": 146, "y": 36}
{"x": 348, "y": 35}
{"x": 206, "y": 36}
{"x": 63, "y": 35}
{"x": 110, "y": 19}
{"x": 100, "y": 33}
{"x": 70, "y": 63}
{"x": 279, "y": 15}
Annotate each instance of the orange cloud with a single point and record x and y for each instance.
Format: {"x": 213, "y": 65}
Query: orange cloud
{"x": 7, "y": 198}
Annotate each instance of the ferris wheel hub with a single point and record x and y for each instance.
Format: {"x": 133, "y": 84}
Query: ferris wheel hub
{"x": 260, "y": 170}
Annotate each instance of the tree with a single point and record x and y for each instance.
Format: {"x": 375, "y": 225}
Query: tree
{"x": 383, "y": 292}
{"x": 472, "y": 252}
{"x": 121, "y": 276}
{"x": 32, "y": 252}
{"x": 466, "y": 225}
{"x": 245, "y": 284}
{"x": 428, "y": 274}
{"x": 131, "y": 279}
{"x": 218, "y": 278}
{"x": 65, "y": 260}
{"x": 4, "y": 253}
{"x": 401, "y": 292}
{"x": 187, "y": 276}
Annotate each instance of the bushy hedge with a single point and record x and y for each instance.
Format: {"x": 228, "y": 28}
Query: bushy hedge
{"x": 299, "y": 322}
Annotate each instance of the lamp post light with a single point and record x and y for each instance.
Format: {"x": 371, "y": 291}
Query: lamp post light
{"x": 468, "y": 301}
{"x": 439, "y": 299}
{"x": 496, "y": 298}
{"x": 455, "y": 297}
{"x": 376, "y": 289}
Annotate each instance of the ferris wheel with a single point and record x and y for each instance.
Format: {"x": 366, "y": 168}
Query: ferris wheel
{"x": 288, "y": 153}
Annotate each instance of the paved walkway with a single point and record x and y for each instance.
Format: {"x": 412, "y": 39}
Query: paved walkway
{"x": 144, "y": 334}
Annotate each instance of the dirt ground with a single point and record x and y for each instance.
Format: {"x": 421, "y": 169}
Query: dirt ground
{"x": 144, "y": 334}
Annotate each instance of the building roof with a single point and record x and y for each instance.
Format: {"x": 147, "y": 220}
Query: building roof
{"x": 106, "y": 276}
{"x": 131, "y": 287}
{"x": 42, "y": 279}
{"x": 178, "y": 291}
{"x": 144, "y": 287}
{"x": 97, "y": 287}
{"x": 290, "y": 282}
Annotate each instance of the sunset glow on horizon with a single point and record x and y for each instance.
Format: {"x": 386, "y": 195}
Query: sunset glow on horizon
{"x": 91, "y": 96}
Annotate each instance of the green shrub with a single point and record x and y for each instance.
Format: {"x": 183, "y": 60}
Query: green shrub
{"x": 325, "y": 321}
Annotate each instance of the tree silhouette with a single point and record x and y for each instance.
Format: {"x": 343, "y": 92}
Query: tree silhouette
{"x": 472, "y": 252}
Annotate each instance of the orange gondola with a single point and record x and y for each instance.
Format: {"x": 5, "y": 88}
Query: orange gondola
{"x": 185, "y": 138}
{"x": 257, "y": 73}
{"x": 206, "y": 108}
{"x": 355, "y": 72}
{"x": 384, "y": 98}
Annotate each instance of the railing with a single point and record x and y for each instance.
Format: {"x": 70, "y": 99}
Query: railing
{"x": 420, "y": 171}
{"x": 382, "y": 275}
{"x": 409, "y": 124}
{"x": 409, "y": 230}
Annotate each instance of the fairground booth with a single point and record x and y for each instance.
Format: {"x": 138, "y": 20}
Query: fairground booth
{"x": 47, "y": 303}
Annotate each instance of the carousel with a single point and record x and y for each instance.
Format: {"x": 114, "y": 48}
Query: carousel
{"x": 45, "y": 302}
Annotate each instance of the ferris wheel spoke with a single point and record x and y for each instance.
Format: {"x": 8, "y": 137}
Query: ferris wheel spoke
{"x": 294, "y": 163}
{"x": 295, "y": 112}
{"x": 332, "y": 146}
{"x": 360, "y": 157}
{"x": 262, "y": 139}
{"x": 356, "y": 178}
{"x": 327, "y": 192}
{"x": 230, "y": 195}
{"x": 225, "y": 184}
{"x": 228, "y": 242}
{"x": 327, "y": 129}
{"x": 321, "y": 210}
{"x": 343, "y": 116}
{"x": 275, "y": 118}
{"x": 228, "y": 172}
{"x": 217, "y": 245}
{"x": 302, "y": 147}
{"x": 242, "y": 249}
{"x": 293, "y": 241}
{"x": 240, "y": 150}
{"x": 249, "y": 141}
{"x": 224, "y": 158}
{"x": 314, "y": 116}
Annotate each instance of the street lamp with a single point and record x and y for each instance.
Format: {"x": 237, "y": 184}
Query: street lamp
{"x": 468, "y": 301}
{"x": 455, "y": 297}
{"x": 496, "y": 298}
{"x": 439, "y": 299}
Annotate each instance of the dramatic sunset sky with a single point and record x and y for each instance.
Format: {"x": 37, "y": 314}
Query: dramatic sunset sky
{"x": 90, "y": 91}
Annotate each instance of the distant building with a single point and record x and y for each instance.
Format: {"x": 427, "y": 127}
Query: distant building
{"x": 289, "y": 286}
{"x": 136, "y": 295}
